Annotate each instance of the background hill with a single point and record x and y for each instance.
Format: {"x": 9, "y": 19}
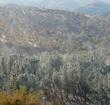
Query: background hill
{"x": 28, "y": 30}
{"x": 52, "y": 4}
{"x": 95, "y": 8}
{"x": 92, "y": 7}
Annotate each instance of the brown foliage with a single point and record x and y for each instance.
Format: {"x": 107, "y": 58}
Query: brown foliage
{"x": 19, "y": 97}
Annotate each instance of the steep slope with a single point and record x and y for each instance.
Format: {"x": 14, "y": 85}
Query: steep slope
{"x": 28, "y": 30}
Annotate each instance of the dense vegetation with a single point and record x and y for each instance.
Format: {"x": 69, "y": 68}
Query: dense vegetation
{"x": 61, "y": 56}
{"x": 29, "y": 30}
{"x": 63, "y": 79}
{"x": 19, "y": 97}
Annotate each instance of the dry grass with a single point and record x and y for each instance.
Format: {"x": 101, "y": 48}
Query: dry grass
{"x": 19, "y": 97}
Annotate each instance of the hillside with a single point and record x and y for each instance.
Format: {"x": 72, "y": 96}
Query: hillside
{"x": 28, "y": 30}
{"x": 53, "y": 57}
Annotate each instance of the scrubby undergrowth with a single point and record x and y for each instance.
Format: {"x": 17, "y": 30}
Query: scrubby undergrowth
{"x": 19, "y": 97}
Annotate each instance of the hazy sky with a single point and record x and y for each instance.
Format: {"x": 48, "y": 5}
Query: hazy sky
{"x": 30, "y": 1}
{"x": 35, "y": 1}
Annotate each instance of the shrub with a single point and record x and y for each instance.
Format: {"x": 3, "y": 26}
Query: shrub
{"x": 19, "y": 97}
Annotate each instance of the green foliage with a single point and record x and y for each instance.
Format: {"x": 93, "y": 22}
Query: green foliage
{"x": 85, "y": 78}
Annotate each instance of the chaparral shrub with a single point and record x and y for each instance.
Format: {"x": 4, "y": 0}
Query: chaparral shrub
{"x": 19, "y": 97}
